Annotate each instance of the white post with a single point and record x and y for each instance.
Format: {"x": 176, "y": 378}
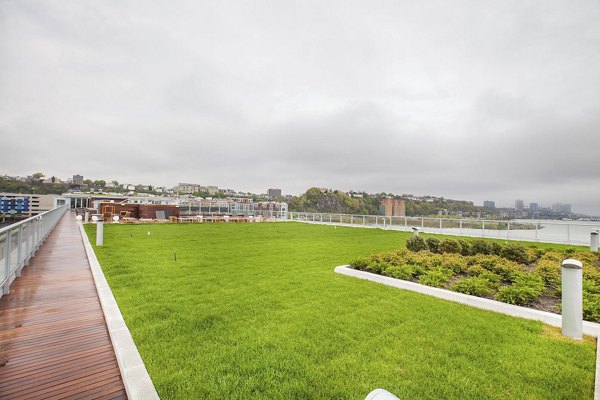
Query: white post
{"x": 381, "y": 394}
{"x": 572, "y": 302}
{"x": 87, "y": 217}
{"x": 594, "y": 240}
{"x": 100, "y": 233}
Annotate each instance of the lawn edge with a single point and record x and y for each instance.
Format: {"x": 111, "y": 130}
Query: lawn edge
{"x": 136, "y": 379}
{"x": 589, "y": 328}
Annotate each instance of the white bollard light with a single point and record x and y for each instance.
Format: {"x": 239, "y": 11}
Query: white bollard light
{"x": 99, "y": 233}
{"x": 594, "y": 240}
{"x": 78, "y": 218}
{"x": 415, "y": 231}
{"x": 87, "y": 217}
{"x": 572, "y": 301}
{"x": 381, "y": 394}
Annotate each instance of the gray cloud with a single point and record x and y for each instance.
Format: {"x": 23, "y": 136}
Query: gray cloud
{"x": 470, "y": 99}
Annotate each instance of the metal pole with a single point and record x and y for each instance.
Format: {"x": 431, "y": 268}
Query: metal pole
{"x": 5, "y": 289}
{"x": 572, "y": 301}
{"x": 19, "y": 249}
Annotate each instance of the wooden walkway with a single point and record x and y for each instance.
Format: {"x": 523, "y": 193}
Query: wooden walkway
{"x": 53, "y": 338}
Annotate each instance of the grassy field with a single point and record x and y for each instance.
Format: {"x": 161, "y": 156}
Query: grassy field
{"x": 255, "y": 311}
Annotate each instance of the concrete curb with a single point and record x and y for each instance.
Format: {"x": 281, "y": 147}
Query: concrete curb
{"x": 138, "y": 384}
{"x": 589, "y": 328}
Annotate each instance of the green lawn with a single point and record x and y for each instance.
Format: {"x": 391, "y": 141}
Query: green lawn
{"x": 253, "y": 311}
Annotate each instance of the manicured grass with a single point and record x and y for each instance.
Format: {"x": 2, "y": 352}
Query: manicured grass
{"x": 255, "y": 311}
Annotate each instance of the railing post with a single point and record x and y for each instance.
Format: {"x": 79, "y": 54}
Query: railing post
{"x": 28, "y": 243}
{"x": 6, "y": 287}
{"x": 460, "y": 227}
{"x": 483, "y": 228}
{"x": 508, "y": 230}
{"x": 19, "y": 249}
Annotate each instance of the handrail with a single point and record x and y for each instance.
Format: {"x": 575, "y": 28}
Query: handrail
{"x": 20, "y": 241}
{"x": 549, "y": 231}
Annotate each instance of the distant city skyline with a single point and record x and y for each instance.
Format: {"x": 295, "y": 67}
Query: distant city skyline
{"x": 468, "y": 100}
{"x": 274, "y": 192}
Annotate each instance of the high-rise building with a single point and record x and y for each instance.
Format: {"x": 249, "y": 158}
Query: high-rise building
{"x": 394, "y": 208}
{"x": 533, "y": 206}
{"x": 519, "y": 205}
{"x": 489, "y": 205}
{"x": 77, "y": 180}
{"x": 274, "y": 194}
{"x": 561, "y": 208}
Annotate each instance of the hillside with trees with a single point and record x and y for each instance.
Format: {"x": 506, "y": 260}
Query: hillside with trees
{"x": 33, "y": 184}
{"x": 334, "y": 201}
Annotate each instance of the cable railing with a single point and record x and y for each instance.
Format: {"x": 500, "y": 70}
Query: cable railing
{"x": 563, "y": 232}
{"x": 20, "y": 241}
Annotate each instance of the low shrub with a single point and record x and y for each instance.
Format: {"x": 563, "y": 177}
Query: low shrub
{"x": 465, "y": 247}
{"x": 476, "y": 286}
{"x": 515, "y": 252}
{"x": 360, "y": 263}
{"x": 495, "y": 248}
{"x": 492, "y": 278}
{"x": 527, "y": 288}
{"x": 455, "y": 262}
{"x": 450, "y": 246}
{"x": 436, "y": 277}
{"x": 433, "y": 244}
{"x": 377, "y": 266}
{"x": 509, "y": 271}
{"x": 475, "y": 270}
{"x": 480, "y": 247}
{"x": 533, "y": 254}
{"x": 551, "y": 255}
{"x": 405, "y": 272}
{"x": 549, "y": 271}
{"x": 591, "y": 286}
{"x": 591, "y": 306}
{"x": 416, "y": 244}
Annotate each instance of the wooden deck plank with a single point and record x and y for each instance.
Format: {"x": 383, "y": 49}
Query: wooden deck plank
{"x": 53, "y": 337}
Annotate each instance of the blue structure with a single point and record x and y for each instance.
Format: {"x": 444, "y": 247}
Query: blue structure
{"x": 21, "y": 206}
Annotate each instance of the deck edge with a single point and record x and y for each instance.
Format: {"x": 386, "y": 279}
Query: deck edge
{"x": 136, "y": 379}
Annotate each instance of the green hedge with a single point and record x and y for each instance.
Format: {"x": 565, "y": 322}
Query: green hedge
{"x": 509, "y": 273}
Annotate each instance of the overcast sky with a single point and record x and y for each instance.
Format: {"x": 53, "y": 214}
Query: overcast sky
{"x": 475, "y": 100}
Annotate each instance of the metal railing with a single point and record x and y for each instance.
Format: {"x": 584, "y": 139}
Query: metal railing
{"x": 20, "y": 241}
{"x": 564, "y": 232}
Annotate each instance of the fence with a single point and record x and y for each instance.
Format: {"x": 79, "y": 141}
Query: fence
{"x": 565, "y": 232}
{"x": 20, "y": 241}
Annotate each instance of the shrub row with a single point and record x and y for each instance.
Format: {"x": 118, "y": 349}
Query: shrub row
{"x": 511, "y": 251}
{"x": 493, "y": 276}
